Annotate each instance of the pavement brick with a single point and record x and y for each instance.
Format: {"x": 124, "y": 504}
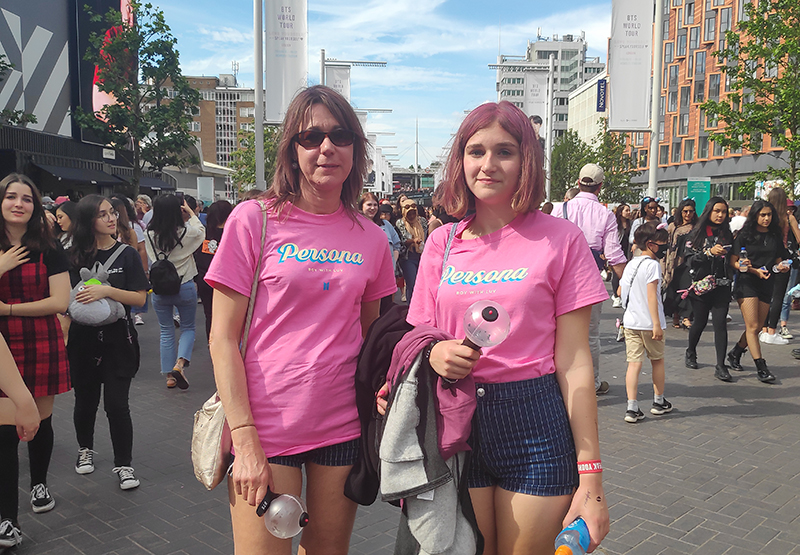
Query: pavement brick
{"x": 718, "y": 475}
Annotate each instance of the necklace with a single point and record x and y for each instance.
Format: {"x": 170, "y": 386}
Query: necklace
{"x": 105, "y": 248}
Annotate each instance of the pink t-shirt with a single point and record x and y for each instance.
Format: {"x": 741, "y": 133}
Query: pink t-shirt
{"x": 306, "y": 330}
{"x": 537, "y": 267}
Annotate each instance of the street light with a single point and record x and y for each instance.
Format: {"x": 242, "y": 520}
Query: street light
{"x": 333, "y": 62}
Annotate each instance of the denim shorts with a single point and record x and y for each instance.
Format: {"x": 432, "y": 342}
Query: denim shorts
{"x": 521, "y": 439}
{"x": 341, "y": 454}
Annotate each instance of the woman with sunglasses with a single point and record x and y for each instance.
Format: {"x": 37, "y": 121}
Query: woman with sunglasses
{"x": 34, "y": 287}
{"x": 649, "y": 213}
{"x": 675, "y": 277}
{"x": 290, "y": 402}
{"x": 104, "y": 359}
{"x": 623, "y": 215}
{"x": 762, "y": 240}
{"x": 706, "y": 252}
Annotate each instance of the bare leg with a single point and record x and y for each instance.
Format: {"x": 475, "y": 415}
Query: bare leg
{"x": 333, "y": 514}
{"x": 527, "y": 524}
{"x": 752, "y": 320}
{"x": 632, "y": 379}
{"x": 658, "y": 376}
{"x": 483, "y": 505}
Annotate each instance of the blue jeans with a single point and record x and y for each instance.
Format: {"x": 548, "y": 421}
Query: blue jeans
{"x": 186, "y": 303}
{"x": 787, "y": 298}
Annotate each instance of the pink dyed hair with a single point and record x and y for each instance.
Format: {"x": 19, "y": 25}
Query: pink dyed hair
{"x": 454, "y": 195}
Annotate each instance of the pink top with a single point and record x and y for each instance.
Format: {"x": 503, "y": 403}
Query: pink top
{"x": 537, "y": 267}
{"x": 598, "y": 224}
{"x": 306, "y": 330}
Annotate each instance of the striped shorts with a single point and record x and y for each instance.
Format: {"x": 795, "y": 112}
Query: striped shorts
{"x": 341, "y": 454}
{"x": 521, "y": 439}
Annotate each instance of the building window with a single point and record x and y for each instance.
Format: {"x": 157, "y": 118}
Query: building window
{"x": 673, "y": 76}
{"x": 676, "y": 153}
{"x": 688, "y": 150}
{"x": 702, "y": 148}
{"x": 672, "y": 104}
{"x": 665, "y": 29}
{"x": 719, "y": 3}
{"x": 663, "y": 155}
{"x": 742, "y": 12}
{"x": 247, "y": 112}
{"x": 690, "y": 66}
{"x": 683, "y": 128}
{"x": 642, "y": 158}
{"x": 694, "y": 38}
{"x": 677, "y": 2}
{"x": 661, "y": 131}
{"x": 700, "y": 65}
{"x": 665, "y": 9}
{"x": 681, "y": 45}
{"x": 718, "y": 150}
{"x": 640, "y": 138}
{"x": 685, "y": 94}
{"x": 711, "y": 121}
{"x": 662, "y": 106}
{"x": 724, "y": 21}
{"x": 713, "y": 87}
{"x": 679, "y": 19}
{"x": 194, "y": 126}
{"x": 710, "y": 32}
{"x": 668, "y": 52}
{"x": 699, "y": 91}
{"x": 688, "y": 14}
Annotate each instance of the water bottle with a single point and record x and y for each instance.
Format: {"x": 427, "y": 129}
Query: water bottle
{"x": 574, "y": 539}
{"x": 777, "y": 267}
{"x": 744, "y": 262}
{"x": 284, "y": 514}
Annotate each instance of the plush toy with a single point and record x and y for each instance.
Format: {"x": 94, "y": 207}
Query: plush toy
{"x": 96, "y": 313}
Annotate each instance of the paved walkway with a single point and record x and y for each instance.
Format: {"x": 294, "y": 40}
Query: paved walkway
{"x": 720, "y": 474}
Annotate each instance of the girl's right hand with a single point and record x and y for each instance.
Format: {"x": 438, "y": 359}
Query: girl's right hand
{"x": 251, "y": 474}
{"x": 450, "y": 359}
{"x": 763, "y": 273}
{"x": 27, "y": 419}
{"x": 12, "y": 258}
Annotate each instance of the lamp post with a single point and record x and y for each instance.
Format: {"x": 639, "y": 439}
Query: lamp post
{"x": 258, "y": 54}
{"x": 333, "y": 62}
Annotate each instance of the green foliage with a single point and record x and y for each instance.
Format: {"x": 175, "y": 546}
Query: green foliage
{"x": 761, "y": 58}
{"x": 137, "y": 64}
{"x": 569, "y": 155}
{"x": 243, "y": 161}
{"x": 8, "y": 116}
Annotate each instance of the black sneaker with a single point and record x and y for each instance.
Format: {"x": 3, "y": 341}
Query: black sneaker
{"x": 633, "y": 416}
{"x": 41, "y": 500}
{"x": 602, "y": 389}
{"x": 127, "y": 480}
{"x": 10, "y": 535}
{"x": 690, "y": 360}
{"x": 85, "y": 462}
{"x": 661, "y": 408}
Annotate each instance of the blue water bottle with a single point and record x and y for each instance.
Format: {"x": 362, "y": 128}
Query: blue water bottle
{"x": 574, "y": 539}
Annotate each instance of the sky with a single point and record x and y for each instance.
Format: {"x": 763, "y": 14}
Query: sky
{"x": 437, "y": 53}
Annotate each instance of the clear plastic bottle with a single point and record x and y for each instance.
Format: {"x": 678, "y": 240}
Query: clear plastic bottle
{"x": 744, "y": 262}
{"x": 777, "y": 267}
{"x": 574, "y": 539}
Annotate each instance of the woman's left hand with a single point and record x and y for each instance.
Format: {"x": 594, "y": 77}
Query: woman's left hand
{"x": 589, "y": 503}
{"x": 92, "y": 292}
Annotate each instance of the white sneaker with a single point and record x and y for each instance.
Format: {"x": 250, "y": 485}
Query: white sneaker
{"x": 138, "y": 320}
{"x": 773, "y": 339}
{"x": 616, "y": 302}
{"x": 762, "y": 336}
{"x": 785, "y": 333}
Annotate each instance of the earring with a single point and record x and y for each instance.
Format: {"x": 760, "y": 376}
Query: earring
{"x": 295, "y": 166}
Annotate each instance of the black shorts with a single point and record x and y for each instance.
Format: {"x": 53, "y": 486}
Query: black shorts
{"x": 341, "y": 454}
{"x": 748, "y": 286}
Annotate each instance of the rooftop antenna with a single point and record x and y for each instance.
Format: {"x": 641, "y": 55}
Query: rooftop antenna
{"x": 235, "y": 69}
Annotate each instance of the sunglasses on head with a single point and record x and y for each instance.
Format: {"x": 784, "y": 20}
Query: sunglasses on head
{"x": 648, "y": 200}
{"x": 312, "y": 138}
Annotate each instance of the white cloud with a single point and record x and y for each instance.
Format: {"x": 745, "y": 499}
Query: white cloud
{"x": 226, "y": 35}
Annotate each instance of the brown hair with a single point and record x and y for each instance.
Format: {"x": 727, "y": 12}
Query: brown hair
{"x": 39, "y": 234}
{"x": 286, "y": 183}
{"x": 455, "y": 196}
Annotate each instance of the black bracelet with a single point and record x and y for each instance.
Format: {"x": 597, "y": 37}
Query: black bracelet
{"x": 426, "y": 354}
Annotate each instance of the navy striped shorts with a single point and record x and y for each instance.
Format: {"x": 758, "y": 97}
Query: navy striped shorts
{"x": 521, "y": 439}
{"x": 341, "y": 454}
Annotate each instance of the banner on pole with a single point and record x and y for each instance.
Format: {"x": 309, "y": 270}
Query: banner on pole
{"x": 286, "y": 54}
{"x": 630, "y": 65}
{"x": 602, "y": 94}
{"x": 699, "y": 189}
{"x": 536, "y": 93}
{"x": 338, "y": 78}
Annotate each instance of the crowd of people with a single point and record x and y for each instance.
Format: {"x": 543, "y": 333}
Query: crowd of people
{"x": 298, "y": 276}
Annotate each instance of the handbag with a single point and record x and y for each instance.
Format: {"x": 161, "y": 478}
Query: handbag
{"x": 211, "y": 436}
{"x": 700, "y": 287}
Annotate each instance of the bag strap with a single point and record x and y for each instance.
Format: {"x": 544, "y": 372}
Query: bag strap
{"x": 114, "y": 256}
{"x": 251, "y": 303}
{"x": 159, "y": 252}
{"x": 627, "y": 298}
{"x": 447, "y": 250}
{"x": 564, "y": 210}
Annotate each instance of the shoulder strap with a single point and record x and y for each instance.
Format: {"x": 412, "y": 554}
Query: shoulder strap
{"x": 627, "y": 298}
{"x": 114, "y": 256}
{"x": 159, "y": 251}
{"x": 252, "y": 302}
{"x": 564, "y": 209}
{"x": 448, "y": 246}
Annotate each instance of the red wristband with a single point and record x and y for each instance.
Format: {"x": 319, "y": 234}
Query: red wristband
{"x": 590, "y": 467}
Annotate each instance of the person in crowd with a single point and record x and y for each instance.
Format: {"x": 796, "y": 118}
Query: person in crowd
{"x": 290, "y": 401}
{"x": 649, "y": 213}
{"x": 65, "y": 213}
{"x": 793, "y": 246}
{"x": 675, "y": 276}
{"x": 380, "y": 215}
{"x": 397, "y": 210}
{"x": 216, "y": 216}
{"x": 17, "y": 406}
{"x": 535, "y": 389}
{"x": 104, "y": 359}
{"x": 789, "y": 234}
{"x": 413, "y": 232}
{"x": 34, "y": 287}
{"x": 129, "y": 219}
{"x": 706, "y": 253}
{"x": 547, "y": 208}
{"x": 622, "y": 213}
{"x": 599, "y": 226}
{"x": 761, "y": 240}
{"x": 144, "y": 209}
{"x": 571, "y": 193}
{"x": 738, "y": 221}
{"x": 644, "y": 319}
{"x": 175, "y": 232}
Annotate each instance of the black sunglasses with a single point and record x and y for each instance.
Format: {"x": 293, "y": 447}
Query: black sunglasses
{"x": 312, "y": 139}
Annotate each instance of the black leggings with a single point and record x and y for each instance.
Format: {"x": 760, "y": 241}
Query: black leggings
{"x": 780, "y": 282}
{"x": 716, "y": 302}
{"x": 40, "y": 448}
{"x": 115, "y": 402}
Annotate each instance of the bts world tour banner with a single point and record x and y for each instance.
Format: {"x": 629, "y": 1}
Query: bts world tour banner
{"x": 338, "y": 78}
{"x": 286, "y": 54}
{"x": 629, "y": 65}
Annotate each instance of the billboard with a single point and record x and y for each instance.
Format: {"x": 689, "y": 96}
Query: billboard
{"x": 35, "y": 37}
{"x": 286, "y": 54}
{"x": 630, "y": 65}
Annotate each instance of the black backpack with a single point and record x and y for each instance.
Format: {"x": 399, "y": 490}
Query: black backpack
{"x": 164, "y": 278}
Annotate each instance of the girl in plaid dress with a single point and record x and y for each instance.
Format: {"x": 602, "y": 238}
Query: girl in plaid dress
{"x": 34, "y": 287}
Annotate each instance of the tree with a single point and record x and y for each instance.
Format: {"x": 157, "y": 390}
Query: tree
{"x": 243, "y": 161}
{"x": 9, "y": 116}
{"x": 618, "y": 166}
{"x": 569, "y": 155}
{"x": 137, "y": 62}
{"x": 761, "y": 59}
